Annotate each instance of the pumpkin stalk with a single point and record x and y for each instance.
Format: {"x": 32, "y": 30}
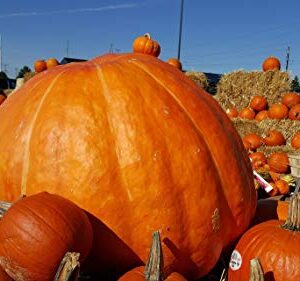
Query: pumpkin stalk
{"x": 256, "y": 272}
{"x": 147, "y": 35}
{"x": 154, "y": 266}
{"x": 293, "y": 221}
{"x": 68, "y": 269}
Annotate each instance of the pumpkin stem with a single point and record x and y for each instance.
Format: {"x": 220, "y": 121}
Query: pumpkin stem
{"x": 147, "y": 35}
{"x": 4, "y": 206}
{"x": 68, "y": 269}
{"x": 293, "y": 220}
{"x": 256, "y": 272}
{"x": 154, "y": 266}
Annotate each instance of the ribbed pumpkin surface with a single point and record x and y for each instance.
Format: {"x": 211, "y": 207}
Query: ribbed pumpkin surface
{"x": 133, "y": 141}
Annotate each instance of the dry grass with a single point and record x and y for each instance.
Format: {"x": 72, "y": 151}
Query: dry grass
{"x": 238, "y": 87}
{"x": 199, "y": 78}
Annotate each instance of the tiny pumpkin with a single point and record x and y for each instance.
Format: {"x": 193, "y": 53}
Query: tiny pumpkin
{"x": 261, "y": 115}
{"x": 274, "y": 138}
{"x": 175, "y": 62}
{"x": 254, "y": 140}
{"x": 146, "y": 45}
{"x": 52, "y": 62}
{"x": 294, "y": 113}
{"x": 258, "y": 160}
{"x": 278, "y": 111}
{"x": 295, "y": 141}
{"x": 40, "y": 65}
{"x": 247, "y": 113}
{"x": 258, "y": 103}
{"x": 290, "y": 99}
{"x": 42, "y": 222}
{"x": 271, "y": 63}
{"x": 279, "y": 162}
{"x": 232, "y": 112}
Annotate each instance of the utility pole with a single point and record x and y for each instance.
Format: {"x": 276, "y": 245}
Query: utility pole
{"x": 287, "y": 58}
{"x": 111, "y": 48}
{"x": 0, "y": 52}
{"x": 180, "y": 30}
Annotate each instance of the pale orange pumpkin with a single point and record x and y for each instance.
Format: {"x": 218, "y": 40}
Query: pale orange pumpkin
{"x": 136, "y": 154}
{"x": 271, "y": 63}
{"x": 51, "y": 62}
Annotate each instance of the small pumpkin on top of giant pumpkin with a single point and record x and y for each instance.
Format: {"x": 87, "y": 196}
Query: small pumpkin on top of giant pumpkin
{"x": 146, "y": 45}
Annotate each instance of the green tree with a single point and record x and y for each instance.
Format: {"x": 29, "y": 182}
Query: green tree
{"x": 295, "y": 85}
{"x": 3, "y": 80}
{"x": 23, "y": 70}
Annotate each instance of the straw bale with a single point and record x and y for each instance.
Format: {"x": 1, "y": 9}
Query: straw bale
{"x": 199, "y": 78}
{"x": 238, "y": 87}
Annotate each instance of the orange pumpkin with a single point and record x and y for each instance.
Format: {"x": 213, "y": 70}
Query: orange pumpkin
{"x": 294, "y": 113}
{"x": 51, "y": 62}
{"x": 282, "y": 186}
{"x": 40, "y": 65}
{"x": 274, "y": 138}
{"x": 175, "y": 62}
{"x": 43, "y": 227}
{"x": 146, "y": 45}
{"x": 232, "y": 112}
{"x": 295, "y": 141}
{"x": 279, "y": 162}
{"x": 258, "y": 160}
{"x": 261, "y": 115}
{"x": 271, "y": 63}
{"x": 247, "y": 113}
{"x": 254, "y": 140}
{"x": 275, "y": 243}
{"x": 290, "y": 99}
{"x": 258, "y": 103}
{"x": 93, "y": 133}
{"x": 278, "y": 111}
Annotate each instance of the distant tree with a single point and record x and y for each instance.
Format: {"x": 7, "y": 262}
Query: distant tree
{"x": 295, "y": 85}
{"x": 3, "y": 80}
{"x": 23, "y": 70}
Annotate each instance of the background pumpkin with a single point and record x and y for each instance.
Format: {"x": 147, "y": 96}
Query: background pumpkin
{"x": 271, "y": 63}
{"x": 37, "y": 231}
{"x": 175, "y": 62}
{"x": 278, "y": 111}
{"x": 137, "y": 154}
{"x": 51, "y": 62}
{"x": 40, "y": 65}
{"x": 290, "y": 99}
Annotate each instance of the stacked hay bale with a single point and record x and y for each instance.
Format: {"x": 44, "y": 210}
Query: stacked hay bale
{"x": 199, "y": 78}
{"x": 236, "y": 89}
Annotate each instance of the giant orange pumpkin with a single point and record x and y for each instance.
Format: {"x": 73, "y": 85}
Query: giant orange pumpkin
{"x": 37, "y": 231}
{"x": 138, "y": 145}
{"x": 2, "y": 97}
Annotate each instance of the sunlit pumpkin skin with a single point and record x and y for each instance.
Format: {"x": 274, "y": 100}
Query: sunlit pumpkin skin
{"x": 258, "y": 103}
{"x": 290, "y": 99}
{"x": 37, "y": 231}
{"x": 137, "y": 274}
{"x": 146, "y": 45}
{"x": 2, "y": 97}
{"x": 135, "y": 153}
{"x": 271, "y": 63}
{"x": 279, "y": 162}
{"x": 274, "y": 138}
{"x": 295, "y": 141}
{"x": 294, "y": 113}
{"x": 247, "y": 113}
{"x": 271, "y": 209}
{"x": 40, "y": 65}
{"x": 254, "y": 140}
{"x": 175, "y": 62}
{"x": 52, "y": 62}
{"x": 261, "y": 115}
{"x": 278, "y": 111}
{"x": 232, "y": 112}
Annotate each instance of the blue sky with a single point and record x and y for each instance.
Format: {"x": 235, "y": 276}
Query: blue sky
{"x": 218, "y": 36}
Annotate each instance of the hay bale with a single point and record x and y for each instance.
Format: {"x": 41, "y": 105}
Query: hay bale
{"x": 238, "y": 87}
{"x": 199, "y": 78}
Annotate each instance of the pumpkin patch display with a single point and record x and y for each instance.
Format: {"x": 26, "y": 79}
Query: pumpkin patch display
{"x": 136, "y": 154}
{"x": 37, "y": 231}
{"x": 146, "y": 45}
{"x": 275, "y": 243}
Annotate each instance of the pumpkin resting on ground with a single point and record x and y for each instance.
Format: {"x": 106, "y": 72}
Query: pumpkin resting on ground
{"x": 37, "y": 231}
{"x": 136, "y": 143}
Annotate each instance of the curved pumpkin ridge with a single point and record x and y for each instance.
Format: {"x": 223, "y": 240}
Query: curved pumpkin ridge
{"x": 29, "y": 134}
{"x": 235, "y": 213}
{"x": 182, "y": 204}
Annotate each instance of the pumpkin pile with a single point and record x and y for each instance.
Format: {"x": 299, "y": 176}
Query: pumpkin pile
{"x": 139, "y": 147}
